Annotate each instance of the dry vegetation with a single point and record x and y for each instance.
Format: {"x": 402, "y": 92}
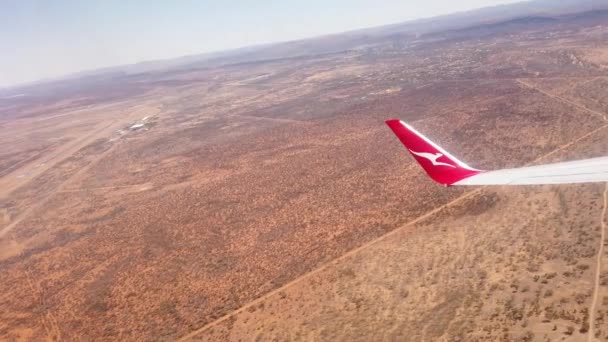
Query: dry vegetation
{"x": 245, "y": 178}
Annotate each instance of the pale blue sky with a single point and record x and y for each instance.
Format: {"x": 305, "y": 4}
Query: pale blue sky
{"x": 49, "y": 38}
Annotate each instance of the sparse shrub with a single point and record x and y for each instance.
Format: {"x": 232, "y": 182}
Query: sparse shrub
{"x": 528, "y": 336}
{"x": 580, "y": 298}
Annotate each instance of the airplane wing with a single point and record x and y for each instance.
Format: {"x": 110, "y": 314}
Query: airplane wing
{"x": 446, "y": 169}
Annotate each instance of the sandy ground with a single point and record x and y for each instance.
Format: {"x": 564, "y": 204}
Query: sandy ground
{"x": 268, "y": 201}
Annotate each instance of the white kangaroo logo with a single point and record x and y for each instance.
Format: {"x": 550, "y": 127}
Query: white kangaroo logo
{"x": 432, "y": 157}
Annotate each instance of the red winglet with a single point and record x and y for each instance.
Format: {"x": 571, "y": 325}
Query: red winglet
{"x": 441, "y": 166}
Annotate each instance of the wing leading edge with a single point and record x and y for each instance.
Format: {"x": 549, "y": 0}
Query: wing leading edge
{"x": 446, "y": 169}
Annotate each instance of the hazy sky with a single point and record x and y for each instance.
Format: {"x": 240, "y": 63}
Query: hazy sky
{"x": 48, "y": 38}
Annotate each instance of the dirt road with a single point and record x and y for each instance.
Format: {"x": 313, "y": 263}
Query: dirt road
{"x": 598, "y": 269}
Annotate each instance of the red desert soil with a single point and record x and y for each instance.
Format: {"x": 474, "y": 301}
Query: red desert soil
{"x": 267, "y": 200}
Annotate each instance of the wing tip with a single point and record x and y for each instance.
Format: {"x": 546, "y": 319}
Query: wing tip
{"x": 395, "y": 125}
{"x": 428, "y": 153}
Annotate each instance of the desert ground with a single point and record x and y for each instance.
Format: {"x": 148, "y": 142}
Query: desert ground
{"x": 268, "y": 201}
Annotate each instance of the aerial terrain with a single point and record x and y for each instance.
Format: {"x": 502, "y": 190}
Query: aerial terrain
{"x": 265, "y": 199}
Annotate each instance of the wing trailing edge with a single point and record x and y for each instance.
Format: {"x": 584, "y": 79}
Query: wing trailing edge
{"x": 446, "y": 169}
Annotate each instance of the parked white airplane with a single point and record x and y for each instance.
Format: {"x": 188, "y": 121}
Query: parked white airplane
{"x": 444, "y": 168}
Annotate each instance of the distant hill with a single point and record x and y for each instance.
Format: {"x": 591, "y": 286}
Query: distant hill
{"x": 538, "y": 10}
{"x": 486, "y": 20}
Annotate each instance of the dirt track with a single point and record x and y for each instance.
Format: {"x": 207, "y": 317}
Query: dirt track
{"x": 395, "y": 232}
{"x": 598, "y": 268}
{"x": 562, "y": 99}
